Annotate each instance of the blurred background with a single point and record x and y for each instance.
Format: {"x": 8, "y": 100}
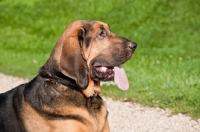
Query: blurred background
{"x": 163, "y": 72}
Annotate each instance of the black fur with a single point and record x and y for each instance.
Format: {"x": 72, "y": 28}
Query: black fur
{"x": 10, "y": 106}
{"x": 43, "y": 90}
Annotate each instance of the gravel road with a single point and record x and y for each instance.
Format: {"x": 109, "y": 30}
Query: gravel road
{"x": 130, "y": 117}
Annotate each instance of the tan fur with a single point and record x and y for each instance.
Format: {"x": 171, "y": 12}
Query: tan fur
{"x": 94, "y": 50}
{"x": 34, "y": 122}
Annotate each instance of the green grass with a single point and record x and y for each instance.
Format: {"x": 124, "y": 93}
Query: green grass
{"x": 165, "y": 69}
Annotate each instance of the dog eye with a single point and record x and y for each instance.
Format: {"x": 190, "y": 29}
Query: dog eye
{"x": 102, "y": 34}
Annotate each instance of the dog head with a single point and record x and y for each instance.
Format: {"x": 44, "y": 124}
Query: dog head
{"x": 88, "y": 52}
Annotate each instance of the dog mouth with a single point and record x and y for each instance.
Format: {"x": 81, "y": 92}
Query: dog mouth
{"x": 109, "y": 73}
{"x": 103, "y": 73}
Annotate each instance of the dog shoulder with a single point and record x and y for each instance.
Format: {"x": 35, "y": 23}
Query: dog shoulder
{"x": 10, "y": 106}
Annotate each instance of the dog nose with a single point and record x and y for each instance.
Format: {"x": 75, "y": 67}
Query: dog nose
{"x": 132, "y": 45}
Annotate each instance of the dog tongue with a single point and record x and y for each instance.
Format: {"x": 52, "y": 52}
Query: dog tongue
{"x": 120, "y": 78}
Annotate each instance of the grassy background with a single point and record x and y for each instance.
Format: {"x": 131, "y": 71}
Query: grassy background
{"x": 165, "y": 69}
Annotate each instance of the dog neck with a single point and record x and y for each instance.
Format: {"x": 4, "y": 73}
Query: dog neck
{"x": 70, "y": 83}
{"x": 61, "y": 79}
{"x": 95, "y": 100}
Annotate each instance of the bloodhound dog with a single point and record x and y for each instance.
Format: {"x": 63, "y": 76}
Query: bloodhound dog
{"x": 64, "y": 96}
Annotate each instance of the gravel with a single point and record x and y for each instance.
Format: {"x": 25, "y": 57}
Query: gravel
{"x": 130, "y": 117}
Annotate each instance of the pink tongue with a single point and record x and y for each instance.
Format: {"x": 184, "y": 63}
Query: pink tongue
{"x": 120, "y": 78}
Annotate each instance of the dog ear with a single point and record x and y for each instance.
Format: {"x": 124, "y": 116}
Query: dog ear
{"x": 72, "y": 60}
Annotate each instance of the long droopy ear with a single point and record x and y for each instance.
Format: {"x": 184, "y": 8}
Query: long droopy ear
{"x": 72, "y": 61}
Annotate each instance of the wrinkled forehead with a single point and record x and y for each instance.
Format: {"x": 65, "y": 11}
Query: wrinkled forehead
{"x": 92, "y": 25}
{"x": 87, "y": 25}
